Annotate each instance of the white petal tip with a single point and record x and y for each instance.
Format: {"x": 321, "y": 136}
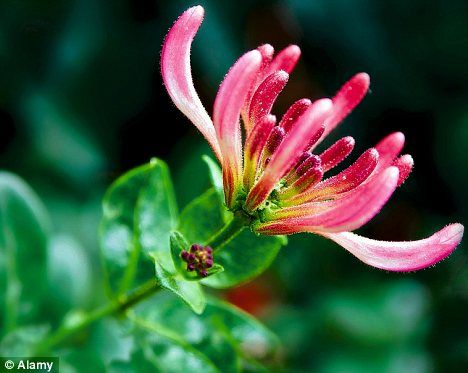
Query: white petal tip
{"x": 324, "y": 104}
{"x": 350, "y": 140}
{"x": 363, "y": 78}
{"x": 294, "y": 50}
{"x": 196, "y": 10}
{"x": 398, "y": 136}
{"x": 255, "y": 55}
{"x": 452, "y": 234}
{"x": 283, "y": 75}
{"x": 373, "y": 152}
{"x": 407, "y": 159}
{"x": 392, "y": 173}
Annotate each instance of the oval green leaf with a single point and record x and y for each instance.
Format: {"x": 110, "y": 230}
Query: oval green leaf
{"x": 140, "y": 212}
{"x": 23, "y": 254}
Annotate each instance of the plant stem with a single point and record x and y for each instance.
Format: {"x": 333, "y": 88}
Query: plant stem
{"x": 229, "y": 231}
{"x": 117, "y": 306}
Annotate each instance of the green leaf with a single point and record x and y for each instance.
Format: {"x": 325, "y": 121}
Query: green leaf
{"x": 110, "y": 340}
{"x": 156, "y": 216}
{"x": 22, "y": 341}
{"x": 216, "y": 175}
{"x": 223, "y": 333}
{"x": 24, "y": 227}
{"x": 201, "y": 218}
{"x": 119, "y": 231}
{"x": 178, "y": 244}
{"x": 132, "y": 345}
{"x": 216, "y": 178}
{"x": 156, "y": 213}
{"x": 139, "y": 213}
{"x": 191, "y": 292}
{"x": 255, "y": 339}
{"x": 71, "y": 282}
{"x": 167, "y": 352}
{"x": 243, "y": 258}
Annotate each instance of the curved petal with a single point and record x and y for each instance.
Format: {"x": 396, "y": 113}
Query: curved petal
{"x": 288, "y": 152}
{"x": 313, "y": 142}
{"x": 405, "y": 165}
{"x": 401, "y": 256}
{"x": 347, "y": 213}
{"x": 177, "y": 75}
{"x": 266, "y": 94}
{"x": 389, "y": 148}
{"x": 293, "y": 113}
{"x": 336, "y": 153}
{"x": 347, "y": 98}
{"x": 286, "y": 60}
{"x": 226, "y": 113}
{"x": 266, "y": 51}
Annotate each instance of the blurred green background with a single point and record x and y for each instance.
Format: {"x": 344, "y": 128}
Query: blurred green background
{"x": 81, "y": 101}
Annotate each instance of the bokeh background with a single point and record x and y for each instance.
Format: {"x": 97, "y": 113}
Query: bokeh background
{"x": 81, "y": 101}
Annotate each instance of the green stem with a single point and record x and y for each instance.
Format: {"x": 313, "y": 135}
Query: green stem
{"x": 117, "y": 306}
{"x": 229, "y": 231}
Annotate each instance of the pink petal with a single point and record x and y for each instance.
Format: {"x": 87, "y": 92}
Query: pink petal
{"x": 254, "y": 145}
{"x": 401, "y": 256}
{"x": 226, "y": 112}
{"x": 288, "y": 152}
{"x": 314, "y": 140}
{"x": 336, "y": 153}
{"x": 266, "y": 94}
{"x": 285, "y": 60}
{"x": 177, "y": 75}
{"x": 405, "y": 165}
{"x": 347, "y": 98}
{"x": 346, "y": 180}
{"x": 266, "y": 51}
{"x": 293, "y": 113}
{"x": 346, "y": 213}
{"x": 388, "y": 149}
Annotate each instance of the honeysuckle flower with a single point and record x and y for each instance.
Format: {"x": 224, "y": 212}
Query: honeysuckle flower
{"x": 270, "y": 171}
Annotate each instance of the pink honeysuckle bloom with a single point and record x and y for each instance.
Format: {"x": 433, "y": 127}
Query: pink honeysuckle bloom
{"x": 273, "y": 176}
